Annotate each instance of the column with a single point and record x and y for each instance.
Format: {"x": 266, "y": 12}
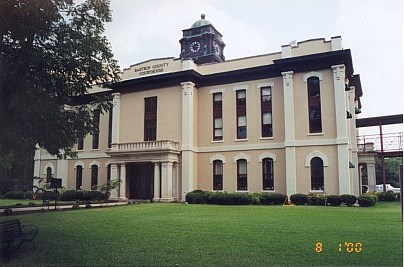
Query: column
{"x": 166, "y": 181}
{"x": 175, "y": 181}
{"x": 157, "y": 182}
{"x": 62, "y": 170}
{"x": 116, "y": 111}
{"x": 187, "y": 148}
{"x": 37, "y": 165}
{"x": 290, "y": 149}
{"x": 371, "y": 169}
{"x": 115, "y": 176}
{"x": 342, "y": 133}
{"x": 122, "y": 187}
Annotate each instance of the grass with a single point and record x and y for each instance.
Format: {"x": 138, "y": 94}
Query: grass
{"x": 209, "y": 235}
{"x": 12, "y": 202}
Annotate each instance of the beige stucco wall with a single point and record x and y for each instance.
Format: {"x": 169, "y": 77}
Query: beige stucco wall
{"x": 254, "y": 170}
{"x": 168, "y": 115}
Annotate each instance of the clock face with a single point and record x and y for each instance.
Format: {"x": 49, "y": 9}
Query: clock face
{"x": 195, "y": 46}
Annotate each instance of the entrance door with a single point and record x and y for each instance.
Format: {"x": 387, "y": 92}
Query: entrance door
{"x": 140, "y": 177}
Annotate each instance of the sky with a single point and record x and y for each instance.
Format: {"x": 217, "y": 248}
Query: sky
{"x": 372, "y": 29}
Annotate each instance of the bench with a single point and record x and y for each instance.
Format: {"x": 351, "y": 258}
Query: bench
{"x": 12, "y": 231}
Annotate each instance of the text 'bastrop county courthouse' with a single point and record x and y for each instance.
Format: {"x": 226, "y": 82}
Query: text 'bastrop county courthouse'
{"x": 280, "y": 122}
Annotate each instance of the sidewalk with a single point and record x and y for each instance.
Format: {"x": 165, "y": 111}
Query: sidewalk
{"x": 19, "y": 210}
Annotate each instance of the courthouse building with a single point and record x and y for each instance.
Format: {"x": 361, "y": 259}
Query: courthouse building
{"x": 279, "y": 122}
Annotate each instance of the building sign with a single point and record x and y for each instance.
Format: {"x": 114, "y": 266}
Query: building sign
{"x": 151, "y": 69}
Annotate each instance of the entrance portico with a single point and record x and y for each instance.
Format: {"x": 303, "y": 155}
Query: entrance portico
{"x": 147, "y": 170}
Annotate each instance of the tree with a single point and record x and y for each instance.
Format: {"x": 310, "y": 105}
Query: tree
{"x": 51, "y": 53}
{"x": 392, "y": 166}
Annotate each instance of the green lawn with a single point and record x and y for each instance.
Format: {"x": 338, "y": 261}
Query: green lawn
{"x": 209, "y": 235}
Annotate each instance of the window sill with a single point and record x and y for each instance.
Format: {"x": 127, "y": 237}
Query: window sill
{"x": 315, "y": 134}
{"x": 216, "y": 141}
{"x": 95, "y": 149}
{"x": 241, "y": 140}
{"x": 267, "y": 138}
{"x": 241, "y": 191}
{"x": 316, "y": 191}
{"x": 268, "y": 191}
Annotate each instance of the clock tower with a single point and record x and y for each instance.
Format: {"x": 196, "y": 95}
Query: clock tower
{"x": 202, "y": 42}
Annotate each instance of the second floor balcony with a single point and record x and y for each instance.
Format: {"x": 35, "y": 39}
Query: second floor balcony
{"x": 146, "y": 146}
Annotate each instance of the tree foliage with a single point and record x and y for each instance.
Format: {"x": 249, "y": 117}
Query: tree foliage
{"x": 52, "y": 51}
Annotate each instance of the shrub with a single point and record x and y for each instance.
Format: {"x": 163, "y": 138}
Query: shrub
{"x": 196, "y": 197}
{"x": 349, "y": 200}
{"x": 298, "y": 199}
{"x": 15, "y": 195}
{"x": 334, "y": 200}
{"x": 71, "y": 195}
{"x": 28, "y": 195}
{"x": 93, "y": 195}
{"x": 239, "y": 199}
{"x": 366, "y": 201}
{"x": 255, "y": 198}
{"x": 388, "y": 196}
{"x": 372, "y": 195}
{"x": 220, "y": 198}
{"x": 224, "y": 198}
{"x": 272, "y": 198}
{"x": 316, "y": 200}
{"x": 8, "y": 212}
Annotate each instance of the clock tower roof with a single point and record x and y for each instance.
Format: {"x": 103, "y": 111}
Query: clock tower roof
{"x": 201, "y": 22}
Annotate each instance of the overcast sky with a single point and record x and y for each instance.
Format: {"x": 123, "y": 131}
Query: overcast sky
{"x": 372, "y": 29}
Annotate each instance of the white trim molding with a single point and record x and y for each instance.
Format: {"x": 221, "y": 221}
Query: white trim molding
{"x": 94, "y": 162}
{"x": 267, "y": 84}
{"x": 107, "y": 163}
{"x": 241, "y": 156}
{"x": 318, "y": 154}
{"x": 78, "y": 163}
{"x": 217, "y": 157}
{"x": 47, "y": 166}
{"x": 312, "y": 74}
{"x": 266, "y": 155}
{"x": 217, "y": 90}
{"x": 240, "y": 87}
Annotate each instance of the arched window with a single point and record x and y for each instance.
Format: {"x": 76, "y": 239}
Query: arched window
{"x": 217, "y": 175}
{"x": 317, "y": 173}
{"x": 242, "y": 174}
{"x": 79, "y": 177}
{"x": 94, "y": 176}
{"x": 48, "y": 174}
{"x": 313, "y": 91}
{"x": 267, "y": 174}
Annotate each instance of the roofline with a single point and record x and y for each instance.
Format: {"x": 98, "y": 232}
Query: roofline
{"x": 380, "y": 120}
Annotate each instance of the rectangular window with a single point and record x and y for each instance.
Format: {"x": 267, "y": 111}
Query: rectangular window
{"x": 268, "y": 174}
{"x": 241, "y": 112}
{"x": 217, "y": 117}
{"x": 266, "y": 112}
{"x": 314, "y": 103}
{"x": 79, "y": 177}
{"x": 217, "y": 175}
{"x": 242, "y": 175}
{"x": 150, "y": 118}
{"x": 94, "y": 177}
{"x": 96, "y": 134}
{"x": 80, "y": 144}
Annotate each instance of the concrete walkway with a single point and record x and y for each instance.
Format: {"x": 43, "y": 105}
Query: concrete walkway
{"x": 19, "y": 210}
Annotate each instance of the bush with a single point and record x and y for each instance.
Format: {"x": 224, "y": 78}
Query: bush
{"x": 298, "y": 199}
{"x": 71, "y": 195}
{"x": 366, "y": 201}
{"x": 388, "y": 196}
{"x": 334, "y": 200}
{"x": 93, "y": 195}
{"x": 196, "y": 197}
{"x": 224, "y": 198}
{"x": 349, "y": 200}
{"x": 272, "y": 198}
{"x": 372, "y": 195}
{"x": 8, "y": 212}
{"x": 15, "y": 195}
{"x": 255, "y": 198}
{"x": 316, "y": 200}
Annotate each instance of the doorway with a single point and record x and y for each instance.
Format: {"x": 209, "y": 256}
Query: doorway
{"x": 140, "y": 177}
